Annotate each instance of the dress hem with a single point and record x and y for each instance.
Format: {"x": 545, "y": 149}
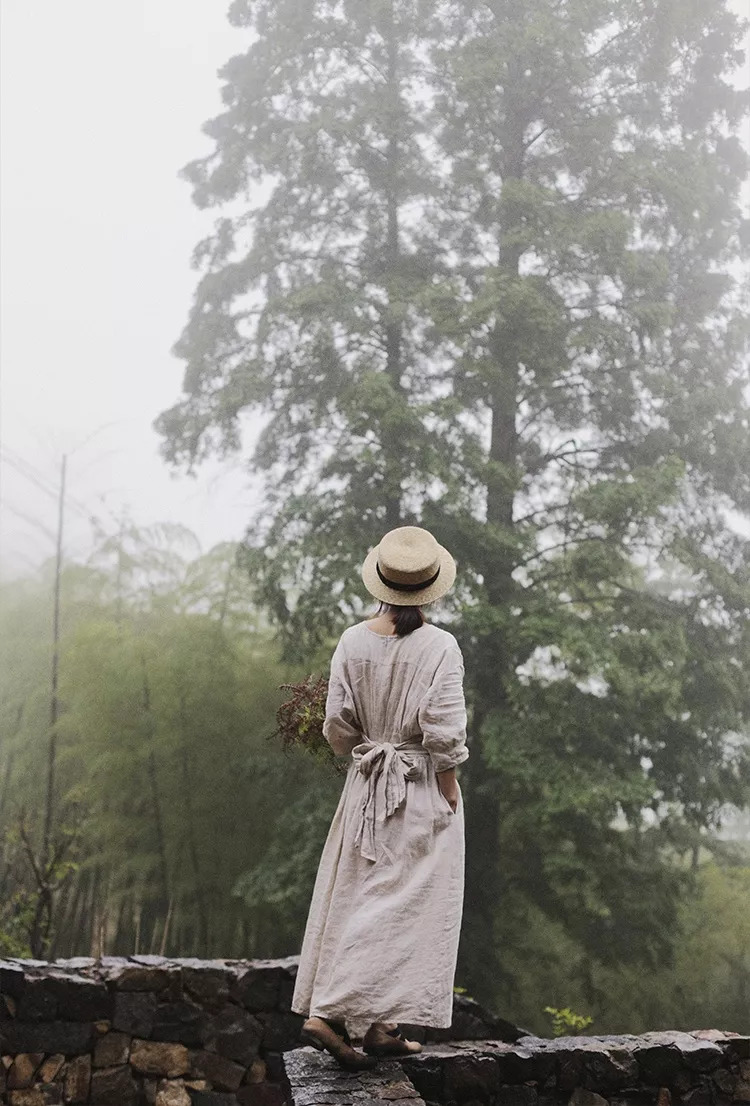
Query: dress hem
{"x": 358, "y": 1027}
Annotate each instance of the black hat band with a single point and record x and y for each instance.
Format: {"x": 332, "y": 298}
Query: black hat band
{"x": 406, "y": 587}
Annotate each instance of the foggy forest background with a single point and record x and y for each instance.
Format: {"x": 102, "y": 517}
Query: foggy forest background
{"x": 479, "y": 266}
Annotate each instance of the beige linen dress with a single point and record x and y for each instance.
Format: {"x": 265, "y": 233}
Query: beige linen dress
{"x": 382, "y": 933}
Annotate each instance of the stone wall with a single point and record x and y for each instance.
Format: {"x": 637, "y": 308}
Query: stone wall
{"x": 667, "y": 1068}
{"x": 150, "y": 1031}
{"x": 131, "y": 1031}
{"x": 706, "y": 1068}
{"x": 142, "y": 1030}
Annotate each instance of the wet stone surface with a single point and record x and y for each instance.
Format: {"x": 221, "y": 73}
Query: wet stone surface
{"x": 315, "y": 1079}
{"x": 703, "y": 1068}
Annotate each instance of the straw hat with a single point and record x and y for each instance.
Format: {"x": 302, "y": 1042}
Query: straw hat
{"x": 408, "y": 568}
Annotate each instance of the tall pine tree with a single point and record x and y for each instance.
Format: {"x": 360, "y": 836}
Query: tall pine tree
{"x": 485, "y": 282}
{"x": 309, "y": 306}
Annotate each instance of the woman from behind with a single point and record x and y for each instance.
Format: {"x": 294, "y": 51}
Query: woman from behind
{"x": 381, "y": 939}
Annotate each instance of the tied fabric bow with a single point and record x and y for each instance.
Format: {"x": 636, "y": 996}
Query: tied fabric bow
{"x": 386, "y": 768}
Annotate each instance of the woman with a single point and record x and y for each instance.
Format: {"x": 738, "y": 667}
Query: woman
{"x": 382, "y": 933}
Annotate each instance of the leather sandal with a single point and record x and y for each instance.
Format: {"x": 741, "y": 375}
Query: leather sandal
{"x": 321, "y": 1034}
{"x": 379, "y": 1040}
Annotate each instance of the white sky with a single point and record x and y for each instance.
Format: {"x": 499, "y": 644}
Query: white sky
{"x": 102, "y": 104}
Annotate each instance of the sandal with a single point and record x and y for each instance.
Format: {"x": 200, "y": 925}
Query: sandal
{"x": 379, "y": 1040}
{"x": 336, "y": 1026}
{"x": 321, "y": 1034}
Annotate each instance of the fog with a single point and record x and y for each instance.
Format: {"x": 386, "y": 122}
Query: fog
{"x": 101, "y": 106}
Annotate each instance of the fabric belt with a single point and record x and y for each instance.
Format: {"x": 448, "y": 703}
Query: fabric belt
{"x": 386, "y": 767}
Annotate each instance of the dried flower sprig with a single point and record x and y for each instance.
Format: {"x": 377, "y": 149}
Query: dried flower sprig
{"x": 300, "y": 718}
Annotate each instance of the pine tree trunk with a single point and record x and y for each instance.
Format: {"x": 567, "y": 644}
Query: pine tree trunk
{"x": 163, "y": 897}
{"x": 187, "y": 784}
{"x": 77, "y": 924}
{"x": 9, "y": 762}
{"x": 120, "y": 938}
{"x": 62, "y": 910}
{"x": 72, "y": 927}
{"x": 481, "y": 959}
{"x": 92, "y": 916}
{"x": 392, "y": 446}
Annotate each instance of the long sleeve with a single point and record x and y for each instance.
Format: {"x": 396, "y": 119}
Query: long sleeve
{"x": 341, "y": 727}
{"x": 442, "y": 713}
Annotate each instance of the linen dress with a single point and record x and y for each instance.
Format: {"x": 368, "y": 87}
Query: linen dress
{"x": 382, "y": 932}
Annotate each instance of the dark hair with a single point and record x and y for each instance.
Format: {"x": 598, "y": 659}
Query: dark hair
{"x": 405, "y": 619}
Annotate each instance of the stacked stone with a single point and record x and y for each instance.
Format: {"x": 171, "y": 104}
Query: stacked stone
{"x": 145, "y": 1031}
{"x": 151, "y": 1031}
{"x": 471, "y": 1022}
{"x": 315, "y": 1080}
{"x": 700, "y": 1068}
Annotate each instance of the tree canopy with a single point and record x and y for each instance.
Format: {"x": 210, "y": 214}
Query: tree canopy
{"x": 478, "y": 266}
{"x": 168, "y": 783}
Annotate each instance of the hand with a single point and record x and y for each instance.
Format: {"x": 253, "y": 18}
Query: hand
{"x": 449, "y": 787}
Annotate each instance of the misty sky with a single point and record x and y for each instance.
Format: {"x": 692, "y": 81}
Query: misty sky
{"x": 102, "y": 103}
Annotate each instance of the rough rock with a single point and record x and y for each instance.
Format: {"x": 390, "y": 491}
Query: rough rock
{"x": 223, "y": 1074}
{"x": 113, "y": 1086}
{"x": 159, "y": 1058}
{"x": 139, "y": 976}
{"x": 22, "y": 1070}
{"x": 621, "y": 1068}
{"x": 172, "y": 1093}
{"x": 51, "y": 1068}
{"x": 471, "y": 1022}
{"x": 206, "y": 980}
{"x": 264, "y": 984}
{"x": 36, "y": 1002}
{"x": 212, "y": 1098}
{"x": 71, "y": 1038}
{"x": 315, "y": 1079}
{"x": 697, "y": 1096}
{"x": 29, "y": 1097}
{"x": 472, "y": 1077}
{"x": 261, "y": 1094}
{"x": 112, "y": 1049}
{"x": 134, "y": 1013}
{"x": 257, "y": 1071}
{"x": 517, "y": 1095}
{"x": 281, "y": 1031}
{"x": 12, "y": 979}
{"x": 234, "y": 1033}
{"x": 394, "y": 1092}
{"x": 78, "y": 998}
{"x": 183, "y": 1021}
{"x": 78, "y": 1079}
{"x": 582, "y": 1097}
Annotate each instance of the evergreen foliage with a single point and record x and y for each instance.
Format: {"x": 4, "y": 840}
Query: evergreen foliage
{"x": 169, "y": 785}
{"x": 477, "y": 265}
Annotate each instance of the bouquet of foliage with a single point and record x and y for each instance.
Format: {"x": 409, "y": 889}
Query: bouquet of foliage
{"x": 300, "y": 718}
